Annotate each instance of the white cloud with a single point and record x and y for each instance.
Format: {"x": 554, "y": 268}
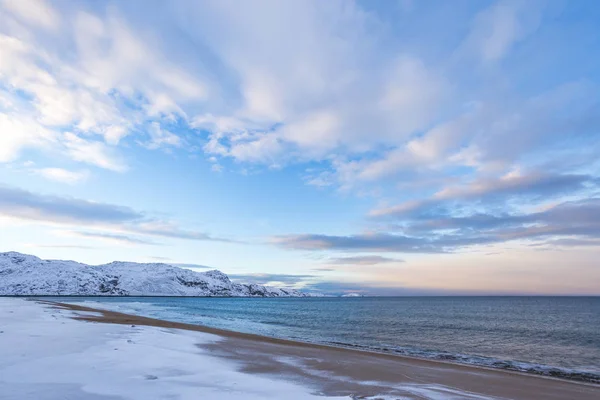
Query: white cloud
{"x": 112, "y": 56}
{"x": 163, "y": 104}
{"x": 261, "y": 148}
{"x": 57, "y": 101}
{"x": 17, "y": 133}
{"x": 36, "y": 12}
{"x": 18, "y": 65}
{"x": 306, "y": 81}
{"x": 428, "y": 151}
{"x": 316, "y": 132}
{"x": 223, "y": 123}
{"x": 501, "y": 26}
{"x": 311, "y": 87}
{"x": 412, "y": 93}
{"x": 112, "y": 82}
{"x": 515, "y": 186}
{"x": 160, "y": 137}
{"x": 485, "y": 140}
{"x": 216, "y": 168}
{"x": 92, "y": 152}
{"x": 114, "y": 133}
{"x": 63, "y": 175}
{"x": 21, "y": 205}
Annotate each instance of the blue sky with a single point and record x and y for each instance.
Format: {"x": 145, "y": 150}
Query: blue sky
{"x": 388, "y": 147}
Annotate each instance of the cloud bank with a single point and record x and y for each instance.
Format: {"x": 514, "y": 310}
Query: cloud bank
{"x": 71, "y": 212}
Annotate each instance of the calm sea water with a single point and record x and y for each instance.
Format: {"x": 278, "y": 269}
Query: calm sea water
{"x": 558, "y": 336}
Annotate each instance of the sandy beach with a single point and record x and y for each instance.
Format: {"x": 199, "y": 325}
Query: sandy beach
{"x": 330, "y": 372}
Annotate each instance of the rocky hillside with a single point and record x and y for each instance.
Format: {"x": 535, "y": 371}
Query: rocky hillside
{"x": 26, "y": 275}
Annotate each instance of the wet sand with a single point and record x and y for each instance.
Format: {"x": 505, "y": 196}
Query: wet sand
{"x": 347, "y": 372}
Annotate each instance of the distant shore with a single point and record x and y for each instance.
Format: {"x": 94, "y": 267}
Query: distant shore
{"x": 342, "y": 371}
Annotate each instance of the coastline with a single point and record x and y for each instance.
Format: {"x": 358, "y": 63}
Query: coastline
{"x": 343, "y": 371}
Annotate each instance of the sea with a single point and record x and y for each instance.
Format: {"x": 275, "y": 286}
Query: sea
{"x": 551, "y": 336}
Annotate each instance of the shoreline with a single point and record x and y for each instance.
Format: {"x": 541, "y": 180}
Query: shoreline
{"x": 365, "y": 366}
{"x": 235, "y": 334}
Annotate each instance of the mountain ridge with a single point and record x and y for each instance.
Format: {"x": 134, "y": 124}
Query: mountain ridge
{"x": 28, "y": 275}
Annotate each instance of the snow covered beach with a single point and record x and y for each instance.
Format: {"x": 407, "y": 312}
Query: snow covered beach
{"x": 46, "y": 354}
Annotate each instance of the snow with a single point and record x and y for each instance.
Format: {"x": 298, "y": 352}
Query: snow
{"x": 26, "y": 275}
{"x": 46, "y": 355}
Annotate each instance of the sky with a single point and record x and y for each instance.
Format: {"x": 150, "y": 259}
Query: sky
{"x": 377, "y": 147}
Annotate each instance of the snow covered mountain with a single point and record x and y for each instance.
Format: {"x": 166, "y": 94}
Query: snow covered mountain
{"x": 25, "y": 275}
